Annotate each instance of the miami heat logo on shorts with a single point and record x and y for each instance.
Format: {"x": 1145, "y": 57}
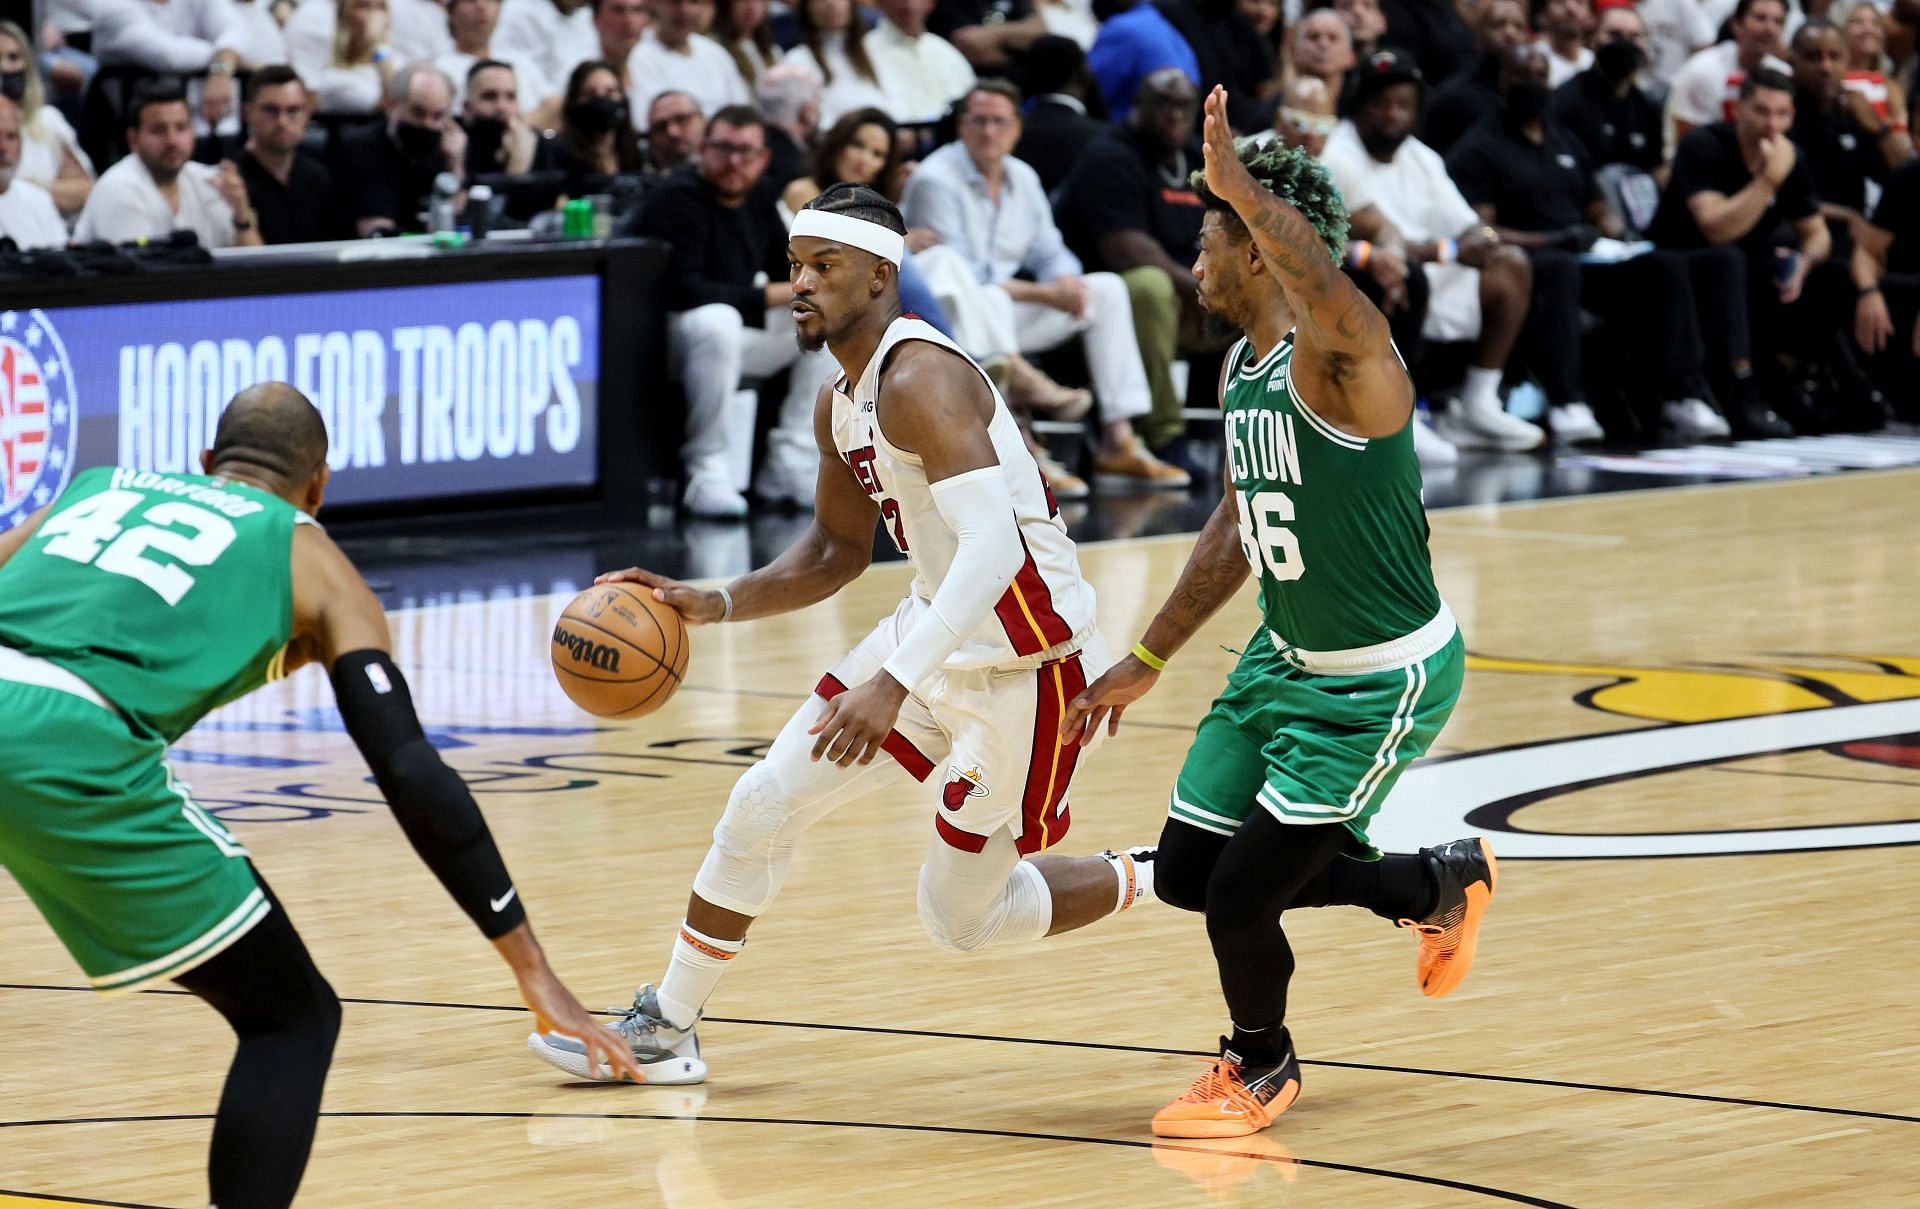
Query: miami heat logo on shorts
{"x": 38, "y": 420}
{"x": 964, "y": 785}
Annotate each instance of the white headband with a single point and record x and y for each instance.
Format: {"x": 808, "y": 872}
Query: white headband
{"x": 854, "y": 232}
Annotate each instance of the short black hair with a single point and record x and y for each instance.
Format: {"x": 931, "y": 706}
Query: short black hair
{"x": 1766, "y": 77}
{"x": 164, "y": 91}
{"x": 1814, "y": 25}
{"x": 1740, "y": 10}
{"x": 274, "y": 427}
{"x": 480, "y": 65}
{"x": 737, "y": 116}
{"x": 272, "y": 76}
{"x": 858, "y": 201}
{"x": 1296, "y": 178}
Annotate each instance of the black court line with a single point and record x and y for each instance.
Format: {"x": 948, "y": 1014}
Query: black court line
{"x": 1499, "y": 1194}
{"x": 74, "y": 1200}
{"x": 1112, "y": 1047}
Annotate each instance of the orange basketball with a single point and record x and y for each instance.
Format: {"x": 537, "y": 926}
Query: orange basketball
{"x": 618, "y": 652}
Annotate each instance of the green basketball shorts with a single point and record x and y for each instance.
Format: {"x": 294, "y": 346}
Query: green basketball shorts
{"x": 1309, "y": 748}
{"x": 137, "y": 880}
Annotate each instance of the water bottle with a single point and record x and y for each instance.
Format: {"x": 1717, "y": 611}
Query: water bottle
{"x": 440, "y": 210}
{"x": 479, "y": 211}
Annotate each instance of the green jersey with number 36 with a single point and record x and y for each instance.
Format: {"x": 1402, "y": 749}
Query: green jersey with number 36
{"x": 1332, "y": 523}
{"x": 170, "y": 594}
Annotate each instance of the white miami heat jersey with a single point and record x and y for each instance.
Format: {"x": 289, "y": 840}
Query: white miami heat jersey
{"x": 1049, "y": 607}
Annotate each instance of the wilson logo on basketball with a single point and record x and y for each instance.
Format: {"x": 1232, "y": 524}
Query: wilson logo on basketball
{"x": 586, "y": 651}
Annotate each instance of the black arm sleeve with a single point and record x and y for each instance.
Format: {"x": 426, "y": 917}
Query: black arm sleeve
{"x": 431, "y": 802}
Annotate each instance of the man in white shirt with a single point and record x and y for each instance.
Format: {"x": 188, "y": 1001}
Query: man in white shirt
{"x": 471, "y": 25}
{"x": 1478, "y": 288}
{"x": 1676, "y": 30}
{"x": 1706, "y": 90}
{"x": 921, "y": 73}
{"x": 991, "y": 209}
{"x": 1565, "y": 26}
{"x": 554, "y": 35}
{"x": 674, "y": 54}
{"x": 157, "y": 190}
{"x": 27, "y": 214}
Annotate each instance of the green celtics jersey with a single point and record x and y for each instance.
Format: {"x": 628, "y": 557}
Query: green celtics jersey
{"x": 169, "y": 594}
{"x": 1332, "y": 523}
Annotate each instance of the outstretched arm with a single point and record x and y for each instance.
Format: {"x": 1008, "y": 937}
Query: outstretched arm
{"x": 1214, "y": 572}
{"x": 831, "y": 554}
{"x": 338, "y": 623}
{"x": 1343, "y": 354}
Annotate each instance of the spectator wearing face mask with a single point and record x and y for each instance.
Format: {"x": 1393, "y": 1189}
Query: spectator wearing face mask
{"x": 595, "y": 142}
{"x": 50, "y": 153}
{"x": 1605, "y": 106}
{"x": 386, "y": 171}
{"x": 499, "y": 140}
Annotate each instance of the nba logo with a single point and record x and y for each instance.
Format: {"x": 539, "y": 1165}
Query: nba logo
{"x": 38, "y": 420}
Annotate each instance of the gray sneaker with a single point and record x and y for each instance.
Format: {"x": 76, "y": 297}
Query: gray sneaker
{"x": 667, "y": 1056}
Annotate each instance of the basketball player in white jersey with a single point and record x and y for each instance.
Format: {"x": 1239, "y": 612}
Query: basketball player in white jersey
{"x": 913, "y": 435}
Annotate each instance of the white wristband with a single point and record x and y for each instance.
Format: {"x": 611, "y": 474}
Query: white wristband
{"x": 726, "y": 601}
{"x": 979, "y": 509}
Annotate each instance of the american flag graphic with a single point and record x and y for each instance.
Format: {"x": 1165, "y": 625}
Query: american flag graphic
{"x": 24, "y": 427}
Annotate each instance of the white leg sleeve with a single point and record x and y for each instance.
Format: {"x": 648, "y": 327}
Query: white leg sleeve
{"x": 970, "y": 901}
{"x": 771, "y": 804}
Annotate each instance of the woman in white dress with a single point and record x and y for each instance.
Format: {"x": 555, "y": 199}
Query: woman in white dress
{"x": 832, "y": 46}
{"x": 50, "y": 154}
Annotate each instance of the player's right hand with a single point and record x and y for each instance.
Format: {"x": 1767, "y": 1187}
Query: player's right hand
{"x": 698, "y": 606}
{"x": 1106, "y": 698}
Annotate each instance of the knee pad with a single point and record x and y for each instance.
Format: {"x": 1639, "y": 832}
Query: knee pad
{"x": 957, "y": 921}
{"x": 748, "y": 860}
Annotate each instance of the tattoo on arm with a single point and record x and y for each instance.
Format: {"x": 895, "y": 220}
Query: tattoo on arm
{"x": 1212, "y": 575}
{"x": 1343, "y": 324}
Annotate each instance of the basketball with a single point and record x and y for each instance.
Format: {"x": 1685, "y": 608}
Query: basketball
{"x": 618, "y": 652}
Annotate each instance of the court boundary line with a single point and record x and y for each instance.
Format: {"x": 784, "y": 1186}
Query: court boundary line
{"x": 1112, "y": 1047}
{"x": 1501, "y": 1194}
{"x": 93, "y": 1203}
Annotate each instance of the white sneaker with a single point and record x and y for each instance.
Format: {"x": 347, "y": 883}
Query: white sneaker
{"x": 667, "y": 1056}
{"x": 783, "y": 484}
{"x": 715, "y": 500}
{"x": 1430, "y": 447}
{"x": 1695, "y": 420}
{"x": 1573, "y": 424}
{"x": 1469, "y": 427}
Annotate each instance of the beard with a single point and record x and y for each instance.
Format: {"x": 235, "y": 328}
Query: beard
{"x": 815, "y": 342}
{"x": 1216, "y": 328}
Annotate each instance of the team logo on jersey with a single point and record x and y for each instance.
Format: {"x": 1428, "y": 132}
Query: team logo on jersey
{"x": 1811, "y": 721}
{"x": 39, "y": 415}
{"x": 964, "y": 785}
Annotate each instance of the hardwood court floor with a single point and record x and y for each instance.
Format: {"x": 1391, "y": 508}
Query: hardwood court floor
{"x": 1641, "y": 1030}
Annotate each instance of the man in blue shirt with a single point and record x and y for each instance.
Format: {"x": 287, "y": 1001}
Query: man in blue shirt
{"x": 1134, "y": 43}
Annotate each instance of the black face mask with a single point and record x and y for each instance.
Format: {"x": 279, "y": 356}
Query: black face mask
{"x": 13, "y": 84}
{"x": 1618, "y": 60}
{"x": 1526, "y": 102}
{"x": 484, "y": 136}
{"x": 420, "y": 143}
{"x": 597, "y": 115}
{"x": 1380, "y": 146}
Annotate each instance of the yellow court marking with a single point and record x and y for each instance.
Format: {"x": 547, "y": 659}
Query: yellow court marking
{"x": 14, "y": 1200}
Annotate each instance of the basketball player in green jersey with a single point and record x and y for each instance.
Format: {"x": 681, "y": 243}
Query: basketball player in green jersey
{"x": 1356, "y": 662}
{"x": 129, "y": 608}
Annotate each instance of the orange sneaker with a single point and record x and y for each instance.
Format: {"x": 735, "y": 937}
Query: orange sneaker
{"x": 1232, "y": 1100}
{"x": 1465, "y": 871}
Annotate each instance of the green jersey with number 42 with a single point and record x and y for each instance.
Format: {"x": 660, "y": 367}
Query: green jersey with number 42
{"x": 170, "y": 594}
{"x": 1332, "y": 523}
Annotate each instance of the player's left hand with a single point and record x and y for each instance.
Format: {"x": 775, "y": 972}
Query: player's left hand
{"x": 857, "y": 721}
{"x": 1227, "y": 177}
{"x": 1106, "y": 698}
{"x": 555, "y": 1010}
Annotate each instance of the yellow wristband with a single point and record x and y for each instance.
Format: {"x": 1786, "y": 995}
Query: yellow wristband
{"x": 1147, "y": 657}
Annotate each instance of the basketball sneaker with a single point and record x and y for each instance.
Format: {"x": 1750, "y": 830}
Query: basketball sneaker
{"x": 666, "y": 1055}
{"x": 1232, "y": 1099}
{"x": 1464, "y": 871}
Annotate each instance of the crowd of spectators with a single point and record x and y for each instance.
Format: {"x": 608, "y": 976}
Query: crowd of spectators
{"x": 1666, "y": 218}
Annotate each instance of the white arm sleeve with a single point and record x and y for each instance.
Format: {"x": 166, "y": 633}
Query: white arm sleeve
{"x": 979, "y": 508}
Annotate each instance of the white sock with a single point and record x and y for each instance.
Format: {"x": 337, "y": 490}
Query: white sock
{"x": 1481, "y": 391}
{"x": 1133, "y": 873}
{"x": 698, "y": 961}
